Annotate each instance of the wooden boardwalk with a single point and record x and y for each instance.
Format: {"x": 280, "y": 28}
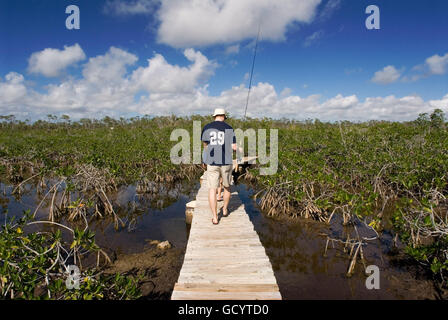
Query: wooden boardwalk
{"x": 225, "y": 261}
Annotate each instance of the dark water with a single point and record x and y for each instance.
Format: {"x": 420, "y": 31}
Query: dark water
{"x": 149, "y": 224}
{"x": 144, "y": 222}
{"x": 294, "y": 247}
{"x": 296, "y": 251}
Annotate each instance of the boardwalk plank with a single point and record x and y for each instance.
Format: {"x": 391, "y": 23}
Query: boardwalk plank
{"x": 224, "y": 261}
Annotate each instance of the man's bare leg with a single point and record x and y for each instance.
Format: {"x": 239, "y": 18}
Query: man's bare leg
{"x": 225, "y": 210}
{"x": 219, "y": 190}
{"x": 213, "y": 202}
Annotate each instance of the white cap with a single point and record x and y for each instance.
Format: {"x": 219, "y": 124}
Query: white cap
{"x": 219, "y": 111}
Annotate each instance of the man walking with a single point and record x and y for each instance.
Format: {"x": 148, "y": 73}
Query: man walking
{"x": 219, "y": 143}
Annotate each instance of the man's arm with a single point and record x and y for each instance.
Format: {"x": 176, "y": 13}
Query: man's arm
{"x": 204, "y": 144}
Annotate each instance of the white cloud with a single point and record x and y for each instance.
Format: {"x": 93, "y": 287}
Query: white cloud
{"x": 161, "y": 77}
{"x": 286, "y": 92}
{"x": 205, "y": 22}
{"x": 50, "y": 62}
{"x": 118, "y": 7}
{"x": 104, "y": 89}
{"x": 264, "y": 101}
{"x": 437, "y": 65}
{"x": 310, "y": 40}
{"x": 107, "y": 87}
{"x": 235, "y": 49}
{"x": 110, "y": 67}
{"x": 387, "y": 75}
{"x": 341, "y": 102}
{"x": 13, "y": 88}
{"x": 330, "y": 7}
{"x": 434, "y": 65}
{"x": 440, "y": 104}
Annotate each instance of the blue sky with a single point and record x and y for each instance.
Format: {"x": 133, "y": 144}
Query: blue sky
{"x": 317, "y": 62}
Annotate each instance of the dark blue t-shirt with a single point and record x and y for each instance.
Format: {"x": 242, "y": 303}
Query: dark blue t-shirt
{"x": 220, "y": 137}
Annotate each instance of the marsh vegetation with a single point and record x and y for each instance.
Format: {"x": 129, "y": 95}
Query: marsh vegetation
{"x": 387, "y": 178}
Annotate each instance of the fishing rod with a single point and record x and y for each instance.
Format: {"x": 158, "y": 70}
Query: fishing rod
{"x": 252, "y": 72}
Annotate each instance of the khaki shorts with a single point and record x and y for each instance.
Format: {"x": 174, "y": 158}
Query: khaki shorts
{"x": 214, "y": 172}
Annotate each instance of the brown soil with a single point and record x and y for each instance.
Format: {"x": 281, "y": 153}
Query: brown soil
{"x": 159, "y": 269}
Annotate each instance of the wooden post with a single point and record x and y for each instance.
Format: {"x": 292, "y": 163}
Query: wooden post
{"x": 189, "y": 211}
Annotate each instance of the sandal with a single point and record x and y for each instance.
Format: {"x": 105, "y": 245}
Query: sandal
{"x": 214, "y": 222}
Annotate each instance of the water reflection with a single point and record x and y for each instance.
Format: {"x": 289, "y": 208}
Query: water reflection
{"x": 294, "y": 247}
{"x": 296, "y": 251}
{"x": 147, "y": 217}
